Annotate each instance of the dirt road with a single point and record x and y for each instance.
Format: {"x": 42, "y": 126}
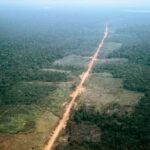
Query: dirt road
{"x": 74, "y": 96}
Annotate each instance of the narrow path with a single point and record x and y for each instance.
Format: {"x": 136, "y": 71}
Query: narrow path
{"x": 75, "y": 94}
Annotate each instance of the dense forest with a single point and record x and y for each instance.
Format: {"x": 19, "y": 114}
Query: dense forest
{"x": 29, "y": 97}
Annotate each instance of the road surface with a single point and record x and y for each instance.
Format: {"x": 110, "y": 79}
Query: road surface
{"x": 74, "y": 95}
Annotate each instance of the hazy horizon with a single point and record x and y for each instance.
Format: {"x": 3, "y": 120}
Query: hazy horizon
{"x": 107, "y": 3}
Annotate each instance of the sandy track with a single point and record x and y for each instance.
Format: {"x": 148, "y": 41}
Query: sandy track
{"x": 74, "y": 95}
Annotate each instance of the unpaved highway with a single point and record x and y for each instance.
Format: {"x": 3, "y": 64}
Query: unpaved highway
{"x": 75, "y": 94}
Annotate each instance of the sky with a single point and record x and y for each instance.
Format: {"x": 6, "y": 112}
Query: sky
{"x": 132, "y": 3}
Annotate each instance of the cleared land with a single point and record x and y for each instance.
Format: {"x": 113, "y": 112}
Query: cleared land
{"x": 108, "y": 48}
{"x": 73, "y": 60}
{"x": 102, "y": 90}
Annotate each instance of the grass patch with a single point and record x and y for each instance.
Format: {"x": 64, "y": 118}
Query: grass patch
{"x": 56, "y": 100}
{"x": 19, "y": 119}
